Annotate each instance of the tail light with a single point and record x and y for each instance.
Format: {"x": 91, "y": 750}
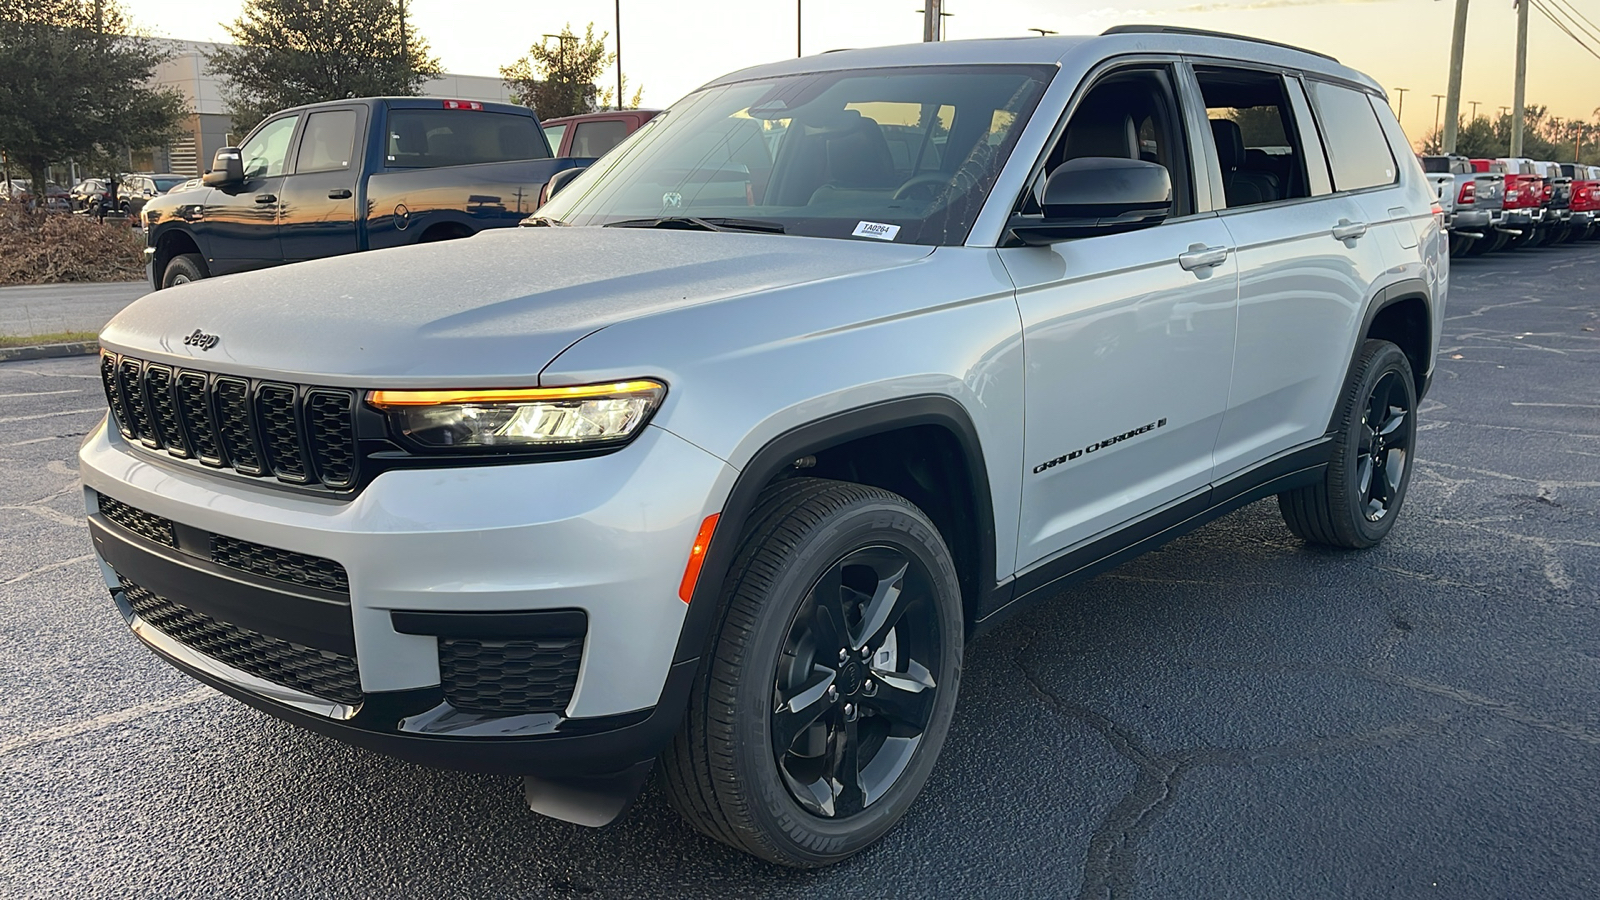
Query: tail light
{"x": 463, "y": 104}
{"x": 1549, "y": 191}
{"x": 1469, "y": 194}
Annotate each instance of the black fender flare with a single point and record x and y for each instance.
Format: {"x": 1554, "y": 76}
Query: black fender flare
{"x": 1389, "y": 295}
{"x": 781, "y": 452}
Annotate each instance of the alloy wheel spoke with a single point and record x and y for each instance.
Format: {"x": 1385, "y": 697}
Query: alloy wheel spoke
{"x": 800, "y": 711}
{"x": 848, "y": 798}
{"x": 829, "y": 625}
{"x": 1364, "y": 475}
{"x": 904, "y": 701}
{"x": 1394, "y": 469}
{"x": 883, "y": 610}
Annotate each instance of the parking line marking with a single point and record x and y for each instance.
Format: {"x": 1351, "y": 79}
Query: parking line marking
{"x": 41, "y": 393}
{"x": 50, "y": 568}
{"x": 51, "y": 415}
{"x": 73, "y": 729}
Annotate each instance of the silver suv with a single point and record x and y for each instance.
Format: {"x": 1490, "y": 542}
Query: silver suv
{"x": 810, "y": 381}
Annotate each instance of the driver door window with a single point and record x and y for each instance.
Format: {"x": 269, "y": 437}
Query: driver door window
{"x": 268, "y": 149}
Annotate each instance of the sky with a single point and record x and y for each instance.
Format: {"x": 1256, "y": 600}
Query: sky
{"x": 670, "y": 48}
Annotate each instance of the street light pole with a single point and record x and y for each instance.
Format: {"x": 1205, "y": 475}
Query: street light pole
{"x": 1044, "y": 31}
{"x": 1521, "y": 78}
{"x": 1436, "y": 100}
{"x": 798, "y": 19}
{"x": 619, "y": 54}
{"x": 405, "y": 50}
{"x": 932, "y": 24}
{"x": 1474, "y": 104}
{"x": 1401, "y": 112}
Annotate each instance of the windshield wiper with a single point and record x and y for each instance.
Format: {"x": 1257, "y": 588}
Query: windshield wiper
{"x": 695, "y": 223}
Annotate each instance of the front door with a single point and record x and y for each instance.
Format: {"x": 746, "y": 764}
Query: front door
{"x": 1128, "y": 337}
{"x": 241, "y": 221}
{"x": 317, "y": 205}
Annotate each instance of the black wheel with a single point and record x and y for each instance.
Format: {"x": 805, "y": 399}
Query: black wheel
{"x": 1358, "y": 500}
{"x": 830, "y": 685}
{"x": 182, "y": 269}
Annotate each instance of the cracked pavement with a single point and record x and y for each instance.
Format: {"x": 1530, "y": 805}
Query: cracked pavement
{"x": 1235, "y": 715}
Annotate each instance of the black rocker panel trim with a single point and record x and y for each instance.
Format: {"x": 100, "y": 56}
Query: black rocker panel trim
{"x": 221, "y": 593}
{"x": 532, "y": 624}
{"x": 782, "y": 451}
{"x": 1298, "y": 467}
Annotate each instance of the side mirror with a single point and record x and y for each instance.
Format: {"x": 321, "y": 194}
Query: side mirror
{"x": 227, "y": 169}
{"x": 560, "y": 180}
{"x": 1097, "y": 195}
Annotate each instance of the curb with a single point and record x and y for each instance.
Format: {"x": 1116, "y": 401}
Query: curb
{"x": 49, "y": 351}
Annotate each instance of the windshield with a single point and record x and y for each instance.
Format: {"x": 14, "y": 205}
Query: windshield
{"x": 904, "y": 155}
{"x": 167, "y": 182}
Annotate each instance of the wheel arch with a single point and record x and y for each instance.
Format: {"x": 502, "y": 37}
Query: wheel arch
{"x": 856, "y": 442}
{"x": 175, "y": 242}
{"x": 1402, "y": 314}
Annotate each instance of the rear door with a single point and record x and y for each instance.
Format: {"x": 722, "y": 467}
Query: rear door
{"x": 240, "y": 223}
{"x": 1308, "y": 256}
{"x": 1128, "y": 337}
{"x": 317, "y": 204}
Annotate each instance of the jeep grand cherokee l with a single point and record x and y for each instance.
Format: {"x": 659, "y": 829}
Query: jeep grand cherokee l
{"x": 798, "y": 390}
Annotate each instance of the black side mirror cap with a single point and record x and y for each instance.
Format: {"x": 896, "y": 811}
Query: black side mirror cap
{"x": 1097, "y": 195}
{"x": 227, "y": 168}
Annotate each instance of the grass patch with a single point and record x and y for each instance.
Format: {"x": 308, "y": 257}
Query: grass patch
{"x": 54, "y": 337}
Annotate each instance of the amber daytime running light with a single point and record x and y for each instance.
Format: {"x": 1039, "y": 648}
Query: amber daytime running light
{"x": 578, "y": 416}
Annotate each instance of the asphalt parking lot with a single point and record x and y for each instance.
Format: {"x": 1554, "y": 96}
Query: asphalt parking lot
{"x": 1237, "y": 715}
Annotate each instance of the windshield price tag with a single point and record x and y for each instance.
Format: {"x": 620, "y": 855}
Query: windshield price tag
{"x": 879, "y": 230}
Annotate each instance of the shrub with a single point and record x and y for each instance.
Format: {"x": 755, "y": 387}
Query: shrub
{"x": 56, "y": 248}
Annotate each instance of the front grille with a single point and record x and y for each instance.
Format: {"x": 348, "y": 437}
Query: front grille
{"x": 320, "y": 673}
{"x": 246, "y": 556}
{"x": 509, "y": 677}
{"x": 146, "y": 525}
{"x": 283, "y": 565}
{"x": 298, "y": 435}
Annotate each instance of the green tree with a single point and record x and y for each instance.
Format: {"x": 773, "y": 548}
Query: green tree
{"x": 290, "y": 52}
{"x": 557, "y": 77}
{"x": 76, "y": 86}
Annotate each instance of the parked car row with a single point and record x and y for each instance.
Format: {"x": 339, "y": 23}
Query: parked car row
{"x": 1498, "y": 204}
{"x": 21, "y": 191}
{"x": 134, "y": 190}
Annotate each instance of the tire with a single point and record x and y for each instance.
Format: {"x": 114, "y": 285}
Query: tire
{"x": 1361, "y": 495}
{"x": 183, "y": 268}
{"x": 724, "y": 772}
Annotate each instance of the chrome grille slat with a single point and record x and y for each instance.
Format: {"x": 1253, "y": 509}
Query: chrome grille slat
{"x": 298, "y": 435}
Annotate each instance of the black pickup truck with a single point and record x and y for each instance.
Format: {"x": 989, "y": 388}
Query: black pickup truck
{"x": 349, "y": 175}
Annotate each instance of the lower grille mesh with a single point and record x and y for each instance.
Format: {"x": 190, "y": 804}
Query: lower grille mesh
{"x": 320, "y": 673}
{"x": 509, "y": 677}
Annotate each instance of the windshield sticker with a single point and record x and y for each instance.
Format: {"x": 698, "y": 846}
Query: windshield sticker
{"x": 877, "y": 230}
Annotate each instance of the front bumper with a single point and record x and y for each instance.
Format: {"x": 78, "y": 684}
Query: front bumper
{"x": 604, "y": 539}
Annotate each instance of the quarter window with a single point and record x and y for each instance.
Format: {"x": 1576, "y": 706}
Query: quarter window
{"x": 1357, "y": 150}
{"x": 266, "y": 150}
{"x": 595, "y": 138}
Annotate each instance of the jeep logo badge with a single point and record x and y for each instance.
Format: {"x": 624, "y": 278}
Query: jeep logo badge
{"x": 202, "y": 340}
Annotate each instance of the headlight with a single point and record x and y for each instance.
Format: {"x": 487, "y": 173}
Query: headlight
{"x": 589, "y": 415}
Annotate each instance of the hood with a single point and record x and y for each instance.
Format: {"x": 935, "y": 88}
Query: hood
{"x": 488, "y": 311}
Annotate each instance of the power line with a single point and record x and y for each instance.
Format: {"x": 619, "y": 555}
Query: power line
{"x": 1539, "y": 5}
{"x": 1575, "y": 17}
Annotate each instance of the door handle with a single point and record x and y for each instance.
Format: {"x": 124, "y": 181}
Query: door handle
{"x": 339, "y": 194}
{"x": 1347, "y": 230}
{"x": 1199, "y": 256}
{"x": 266, "y": 198}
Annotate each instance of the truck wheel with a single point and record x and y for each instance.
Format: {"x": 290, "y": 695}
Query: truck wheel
{"x": 1370, "y": 468}
{"x": 828, "y": 690}
{"x": 182, "y": 269}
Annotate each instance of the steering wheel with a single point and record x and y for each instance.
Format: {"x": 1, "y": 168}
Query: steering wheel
{"x": 934, "y": 182}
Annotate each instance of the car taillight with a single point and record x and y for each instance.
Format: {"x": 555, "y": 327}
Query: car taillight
{"x": 1469, "y": 194}
{"x": 1549, "y": 191}
{"x": 463, "y": 104}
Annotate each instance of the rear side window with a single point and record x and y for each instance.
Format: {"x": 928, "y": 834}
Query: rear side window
{"x": 1253, "y": 130}
{"x": 553, "y": 133}
{"x": 328, "y": 141}
{"x": 428, "y": 138}
{"x": 595, "y": 138}
{"x": 1358, "y": 152}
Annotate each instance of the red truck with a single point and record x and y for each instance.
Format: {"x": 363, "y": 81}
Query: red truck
{"x": 590, "y": 135}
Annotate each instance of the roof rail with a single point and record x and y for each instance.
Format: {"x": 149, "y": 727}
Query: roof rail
{"x": 1201, "y": 32}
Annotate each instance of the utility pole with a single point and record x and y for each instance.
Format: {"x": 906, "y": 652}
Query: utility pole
{"x": 1521, "y": 79}
{"x": 619, "y": 54}
{"x": 933, "y": 20}
{"x": 1436, "y": 99}
{"x": 1452, "y": 104}
{"x": 1401, "y": 112}
{"x": 405, "y": 50}
{"x": 798, "y": 19}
